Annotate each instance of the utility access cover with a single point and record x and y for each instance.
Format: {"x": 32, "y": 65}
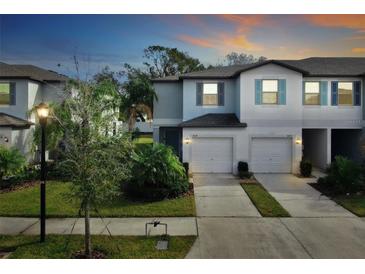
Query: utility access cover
{"x": 162, "y": 245}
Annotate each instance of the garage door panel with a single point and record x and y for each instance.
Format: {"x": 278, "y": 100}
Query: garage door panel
{"x": 212, "y": 155}
{"x": 271, "y": 155}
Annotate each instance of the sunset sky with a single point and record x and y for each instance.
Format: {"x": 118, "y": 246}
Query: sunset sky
{"x": 99, "y": 40}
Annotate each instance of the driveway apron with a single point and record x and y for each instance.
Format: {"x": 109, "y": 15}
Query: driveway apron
{"x": 229, "y": 225}
{"x": 220, "y": 195}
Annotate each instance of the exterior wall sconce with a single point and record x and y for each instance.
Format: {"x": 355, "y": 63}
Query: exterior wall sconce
{"x": 298, "y": 141}
{"x": 6, "y": 140}
{"x": 187, "y": 141}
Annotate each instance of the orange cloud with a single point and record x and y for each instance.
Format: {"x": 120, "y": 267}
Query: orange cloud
{"x": 358, "y": 50}
{"x": 358, "y": 37}
{"x": 243, "y": 23}
{"x": 351, "y": 21}
{"x": 223, "y": 42}
{"x": 205, "y": 43}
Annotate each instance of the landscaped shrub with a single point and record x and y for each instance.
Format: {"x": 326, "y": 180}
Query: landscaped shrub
{"x": 305, "y": 168}
{"x": 186, "y": 166}
{"x": 243, "y": 172}
{"x": 11, "y": 161}
{"x": 344, "y": 176}
{"x": 242, "y": 166}
{"x": 157, "y": 173}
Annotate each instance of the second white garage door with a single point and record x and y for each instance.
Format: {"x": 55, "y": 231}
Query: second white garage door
{"x": 271, "y": 155}
{"x": 212, "y": 155}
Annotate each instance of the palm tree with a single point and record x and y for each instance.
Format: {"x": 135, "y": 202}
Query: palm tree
{"x": 135, "y": 111}
{"x": 138, "y": 95}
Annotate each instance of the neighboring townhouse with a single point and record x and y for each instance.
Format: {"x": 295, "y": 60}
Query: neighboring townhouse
{"x": 21, "y": 88}
{"x": 269, "y": 114}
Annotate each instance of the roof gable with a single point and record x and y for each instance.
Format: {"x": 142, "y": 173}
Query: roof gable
{"x": 30, "y": 72}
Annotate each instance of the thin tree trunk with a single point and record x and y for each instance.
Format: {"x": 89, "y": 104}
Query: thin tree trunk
{"x": 87, "y": 230}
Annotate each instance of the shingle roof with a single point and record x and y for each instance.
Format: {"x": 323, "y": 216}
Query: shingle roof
{"x": 214, "y": 120}
{"x": 314, "y": 66}
{"x": 330, "y": 66}
{"x": 7, "y": 120}
{"x": 31, "y": 72}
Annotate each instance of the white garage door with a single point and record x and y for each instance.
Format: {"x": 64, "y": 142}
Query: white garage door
{"x": 271, "y": 155}
{"x": 212, "y": 155}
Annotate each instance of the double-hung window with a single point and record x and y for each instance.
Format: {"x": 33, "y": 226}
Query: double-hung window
{"x": 5, "y": 94}
{"x": 270, "y": 90}
{"x": 345, "y": 93}
{"x": 210, "y": 94}
{"x": 312, "y": 93}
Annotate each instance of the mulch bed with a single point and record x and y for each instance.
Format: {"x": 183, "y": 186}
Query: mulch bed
{"x": 95, "y": 254}
{"x": 19, "y": 186}
{"x": 328, "y": 191}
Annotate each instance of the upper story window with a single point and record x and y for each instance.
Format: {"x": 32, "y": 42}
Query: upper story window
{"x": 270, "y": 89}
{"x": 210, "y": 94}
{"x": 4, "y": 93}
{"x": 312, "y": 93}
{"x": 345, "y": 93}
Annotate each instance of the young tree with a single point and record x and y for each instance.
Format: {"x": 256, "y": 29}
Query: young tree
{"x": 97, "y": 161}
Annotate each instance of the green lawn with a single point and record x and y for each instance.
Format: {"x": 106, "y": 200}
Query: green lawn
{"x": 143, "y": 139}
{"x": 355, "y": 204}
{"x": 25, "y": 202}
{"x": 264, "y": 202}
{"x": 118, "y": 247}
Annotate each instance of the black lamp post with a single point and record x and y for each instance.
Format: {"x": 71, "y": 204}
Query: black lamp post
{"x": 43, "y": 112}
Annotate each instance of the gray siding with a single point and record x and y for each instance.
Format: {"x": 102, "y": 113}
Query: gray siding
{"x": 191, "y": 110}
{"x": 170, "y": 101}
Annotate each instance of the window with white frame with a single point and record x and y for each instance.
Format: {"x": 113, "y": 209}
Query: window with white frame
{"x": 210, "y": 94}
{"x": 312, "y": 93}
{"x": 270, "y": 90}
{"x": 345, "y": 93}
{"x": 4, "y": 93}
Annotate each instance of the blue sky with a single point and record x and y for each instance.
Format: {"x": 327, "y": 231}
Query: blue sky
{"x": 100, "y": 40}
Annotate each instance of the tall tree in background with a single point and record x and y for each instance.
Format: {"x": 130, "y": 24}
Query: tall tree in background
{"x": 164, "y": 61}
{"x": 235, "y": 58}
{"x": 138, "y": 93}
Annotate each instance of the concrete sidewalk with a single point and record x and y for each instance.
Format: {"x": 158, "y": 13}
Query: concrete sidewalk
{"x": 117, "y": 226}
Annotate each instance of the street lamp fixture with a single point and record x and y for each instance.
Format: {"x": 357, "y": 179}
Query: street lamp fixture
{"x": 43, "y": 112}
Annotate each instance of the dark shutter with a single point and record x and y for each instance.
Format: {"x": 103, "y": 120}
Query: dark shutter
{"x": 334, "y": 93}
{"x": 282, "y": 92}
{"x": 199, "y": 94}
{"x": 12, "y": 94}
{"x": 221, "y": 94}
{"x": 258, "y": 91}
{"x": 323, "y": 92}
{"x": 357, "y": 93}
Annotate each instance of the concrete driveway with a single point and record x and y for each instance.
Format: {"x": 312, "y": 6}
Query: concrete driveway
{"x": 224, "y": 232}
{"x": 299, "y": 198}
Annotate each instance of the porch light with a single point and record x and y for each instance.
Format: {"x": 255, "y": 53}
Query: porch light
{"x": 298, "y": 141}
{"x": 187, "y": 140}
{"x": 42, "y": 111}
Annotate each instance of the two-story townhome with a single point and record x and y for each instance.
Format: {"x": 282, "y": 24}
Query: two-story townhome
{"x": 270, "y": 114}
{"x": 21, "y": 88}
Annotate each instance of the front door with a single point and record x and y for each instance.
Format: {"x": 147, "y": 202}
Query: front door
{"x": 172, "y": 137}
